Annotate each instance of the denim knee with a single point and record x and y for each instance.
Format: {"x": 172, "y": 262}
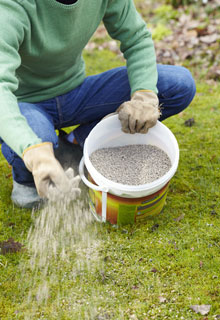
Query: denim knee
{"x": 8, "y": 153}
{"x": 187, "y": 87}
{"x": 49, "y": 137}
{"x": 40, "y": 122}
{"x": 46, "y": 135}
{"x": 19, "y": 171}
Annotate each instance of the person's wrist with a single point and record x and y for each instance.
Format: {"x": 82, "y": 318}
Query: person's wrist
{"x": 34, "y": 147}
{"x": 140, "y": 91}
{"x": 146, "y": 96}
{"x": 34, "y": 154}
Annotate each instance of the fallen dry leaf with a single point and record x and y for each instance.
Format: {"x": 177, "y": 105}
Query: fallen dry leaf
{"x": 209, "y": 38}
{"x": 179, "y": 218}
{"x": 203, "y": 309}
{"x": 90, "y": 46}
{"x": 190, "y": 122}
{"x": 214, "y": 73}
{"x": 135, "y": 287}
{"x": 155, "y": 227}
{"x": 100, "y": 32}
{"x": 213, "y": 213}
{"x": 111, "y": 45}
{"x": 10, "y": 246}
{"x": 191, "y": 34}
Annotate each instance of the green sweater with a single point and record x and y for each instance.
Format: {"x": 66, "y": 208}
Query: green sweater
{"x": 41, "y": 44}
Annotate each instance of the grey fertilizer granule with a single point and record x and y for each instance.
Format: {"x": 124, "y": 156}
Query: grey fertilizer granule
{"x": 132, "y": 164}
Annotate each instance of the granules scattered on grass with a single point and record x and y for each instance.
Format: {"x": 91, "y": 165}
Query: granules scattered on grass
{"x": 132, "y": 164}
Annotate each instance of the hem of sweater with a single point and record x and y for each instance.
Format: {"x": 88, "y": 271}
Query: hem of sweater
{"x": 30, "y": 144}
{"x": 47, "y": 94}
{"x": 147, "y": 88}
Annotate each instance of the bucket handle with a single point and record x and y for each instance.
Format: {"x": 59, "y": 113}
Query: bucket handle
{"x": 95, "y": 187}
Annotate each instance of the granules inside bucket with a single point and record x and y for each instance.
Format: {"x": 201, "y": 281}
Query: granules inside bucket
{"x": 131, "y": 164}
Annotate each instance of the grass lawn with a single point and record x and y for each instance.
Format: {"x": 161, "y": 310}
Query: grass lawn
{"x": 153, "y": 270}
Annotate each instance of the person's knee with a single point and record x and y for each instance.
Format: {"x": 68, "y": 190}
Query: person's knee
{"x": 20, "y": 173}
{"x": 48, "y": 136}
{"x": 40, "y": 122}
{"x": 8, "y": 153}
{"x": 44, "y": 135}
{"x": 187, "y": 86}
{"x": 177, "y": 90}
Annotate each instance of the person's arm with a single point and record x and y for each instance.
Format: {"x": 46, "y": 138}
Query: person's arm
{"x": 124, "y": 23}
{"x": 50, "y": 179}
{"x": 14, "y": 129}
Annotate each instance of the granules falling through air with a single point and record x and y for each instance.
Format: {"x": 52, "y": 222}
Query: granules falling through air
{"x": 131, "y": 164}
{"x": 63, "y": 251}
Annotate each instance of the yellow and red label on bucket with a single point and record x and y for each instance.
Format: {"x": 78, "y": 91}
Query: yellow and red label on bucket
{"x": 123, "y": 211}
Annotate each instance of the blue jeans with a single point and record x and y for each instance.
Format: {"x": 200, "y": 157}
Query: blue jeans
{"x": 86, "y": 105}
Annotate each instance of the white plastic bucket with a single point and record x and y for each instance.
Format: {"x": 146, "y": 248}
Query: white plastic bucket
{"x": 108, "y": 133}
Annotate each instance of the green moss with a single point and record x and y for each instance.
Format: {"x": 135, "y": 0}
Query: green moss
{"x": 166, "y": 13}
{"x": 101, "y": 60}
{"x": 160, "y": 31}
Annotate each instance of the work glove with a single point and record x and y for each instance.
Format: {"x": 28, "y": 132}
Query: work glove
{"x": 140, "y": 113}
{"x": 51, "y": 180}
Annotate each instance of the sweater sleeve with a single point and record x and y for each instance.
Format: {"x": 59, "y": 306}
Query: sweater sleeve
{"x": 14, "y": 129}
{"x": 124, "y": 23}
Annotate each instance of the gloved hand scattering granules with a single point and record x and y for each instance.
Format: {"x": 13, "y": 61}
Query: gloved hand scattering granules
{"x": 131, "y": 164}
